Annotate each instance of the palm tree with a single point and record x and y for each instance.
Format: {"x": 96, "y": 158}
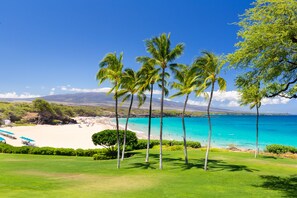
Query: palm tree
{"x": 210, "y": 67}
{"x": 186, "y": 83}
{"x": 149, "y": 75}
{"x": 111, "y": 69}
{"x": 130, "y": 87}
{"x": 161, "y": 55}
{"x": 249, "y": 88}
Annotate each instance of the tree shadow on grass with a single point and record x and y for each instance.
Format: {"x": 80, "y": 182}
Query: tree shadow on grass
{"x": 213, "y": 165}
{"x": 287, "y": 185}
{"x": 217, "y": 165}
{"x": 154, "y": 161}
{"x": 268, "y": 157}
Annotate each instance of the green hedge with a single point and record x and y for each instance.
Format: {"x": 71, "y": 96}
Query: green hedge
{"x": 6, "y": 148}
{"x": 142, "y": 144}
{"x": 279, "y": 149}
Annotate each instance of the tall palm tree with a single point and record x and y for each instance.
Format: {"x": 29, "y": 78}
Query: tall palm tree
{"x": 129, "y": 87}
{"x": 187, "y": 82}
{"x": 149, "y": 75}
{"x": 251, "y": 94}
{"x": 210, "y": 66}
{"x": 161, "y": 54}
{"x": 111, "y": 68}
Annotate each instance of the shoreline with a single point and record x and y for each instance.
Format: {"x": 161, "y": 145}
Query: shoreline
{"x": 79, "y": 135}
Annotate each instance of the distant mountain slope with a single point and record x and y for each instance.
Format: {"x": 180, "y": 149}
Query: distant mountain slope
{"x": 101, "y": 99}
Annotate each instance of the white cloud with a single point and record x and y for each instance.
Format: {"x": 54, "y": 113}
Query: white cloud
{"x": 68, "y": 88}
{"x": 232, "y": 99}
{"x": 274, "y": 101}
{"x": 15, "y": 95}
{"x": 197, "y": 103}
{"x": 155, "y": 92}
{"x": 233, "y": 104}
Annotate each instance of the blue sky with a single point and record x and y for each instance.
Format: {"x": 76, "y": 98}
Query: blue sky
{"x": 54, "y": 46}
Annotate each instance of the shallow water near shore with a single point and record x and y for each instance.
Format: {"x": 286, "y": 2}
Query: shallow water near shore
{"x": 227, "y": 129}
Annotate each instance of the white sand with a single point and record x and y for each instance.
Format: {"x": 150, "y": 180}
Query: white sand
{"x": 63, "y": 136}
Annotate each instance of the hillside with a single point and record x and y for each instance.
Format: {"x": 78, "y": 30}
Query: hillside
{"x": 103, "y": 100}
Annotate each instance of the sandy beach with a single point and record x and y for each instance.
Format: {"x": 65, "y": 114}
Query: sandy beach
{"x": 63, "y": 136}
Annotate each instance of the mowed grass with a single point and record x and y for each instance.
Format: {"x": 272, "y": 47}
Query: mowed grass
{"x": 230, "y": 174}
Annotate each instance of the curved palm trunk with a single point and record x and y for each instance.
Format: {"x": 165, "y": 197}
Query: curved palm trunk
{"x": 210, "y": 129}
{"x": 149, "y": 125}
{"x": 184, "y": 129}
{"x": 126, "y": 127}
{"x": 117, "y": 125}
{"x": 257, "y": 132}
{"x": 161, "y": 119}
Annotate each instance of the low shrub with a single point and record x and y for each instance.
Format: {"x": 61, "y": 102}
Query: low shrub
{"x": 108, "y": 138}
{"x": 6, "y": 148}
{"x": 280, "y": 149}
{"x": 142, "y": 144}
{"x": 105, "y": 154}
{"x": 42, "y": 150}
{"x": 193, "y": 144}
{"x": 65, "y": 151}
{"x": 80, "y": 152}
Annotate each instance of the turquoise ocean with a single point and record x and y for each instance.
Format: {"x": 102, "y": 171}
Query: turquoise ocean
{"x": 239, "y": 131}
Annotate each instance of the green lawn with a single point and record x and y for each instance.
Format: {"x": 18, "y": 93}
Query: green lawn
{"x": 230, "y": 175}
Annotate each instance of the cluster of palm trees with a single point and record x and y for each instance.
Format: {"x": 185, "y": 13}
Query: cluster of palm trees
{"x": 196, "y": 78}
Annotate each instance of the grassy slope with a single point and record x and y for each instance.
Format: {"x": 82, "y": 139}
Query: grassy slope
{"x": 230, "y": 175}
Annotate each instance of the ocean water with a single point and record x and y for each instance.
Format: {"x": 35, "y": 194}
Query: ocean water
{"x": 227, "y": 129}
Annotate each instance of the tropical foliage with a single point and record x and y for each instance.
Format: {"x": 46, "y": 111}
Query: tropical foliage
{"x": 161, "y": 54}
{"x": 209, "y": 66}
{"x": 111, "y": 69}
{"x": 268, "y": 45}
{"x": 187, "y": 80}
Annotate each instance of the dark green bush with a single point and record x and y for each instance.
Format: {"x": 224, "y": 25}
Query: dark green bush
{"x": 106, "y": 154}
{"x": 279, "y": 149}
{"x": 142, "y": 144}
{"x": 80, "y": 152}
{"x": 108, "y": 138}
{"x": 193, "y": 144}
{"x": 91, "y": 152}
{"x": 43, "y": 150}
{"x": 22, "y": 149}
{"x": 65, "y": 151}
{"x": 6, "y": 148}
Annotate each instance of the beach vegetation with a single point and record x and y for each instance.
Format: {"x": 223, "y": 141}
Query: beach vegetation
{"x": 149, "y": 75}
{"x": 267, "y": 46}
{"x": 280, "y": 149}
{"x": 130, "y": 85}
{"x": 210, "y": 67}
{"x": 186, "y": 82}
{"x": 141, "y": 144}
{"x": 252, "y": 94}
{"x": 111, "y": 67}
{"x": 108, "y": 138}
{"x": 162, "y": 54}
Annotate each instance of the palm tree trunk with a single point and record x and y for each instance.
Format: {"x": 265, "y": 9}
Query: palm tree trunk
{"x": 161, "y": 119}
{"x": 184, "y": 129}
{"x": 257, "y": 132}
{"x": 117, "y": 125}
{"x": 149, "y": 125}
{"x": 126, "y": 127}
{"x": 210, "y": 129}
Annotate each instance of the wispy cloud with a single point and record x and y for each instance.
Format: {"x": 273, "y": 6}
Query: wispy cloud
{"x": 155, "y": 92}
{"x": 15, "y": 95}
{"x": 232, "y": 99}
{"x": 72, "y": 89}
{"x": 197, "y": 103}
{"x": 275, "y": 101}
